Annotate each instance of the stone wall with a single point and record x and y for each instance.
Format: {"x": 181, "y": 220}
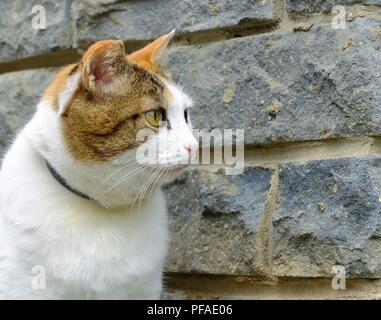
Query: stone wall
{"x": 309, "y": 100}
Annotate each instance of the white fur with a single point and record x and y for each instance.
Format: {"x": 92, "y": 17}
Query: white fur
{"x": 65, "y": 97}
{"x": 98, "y": 248}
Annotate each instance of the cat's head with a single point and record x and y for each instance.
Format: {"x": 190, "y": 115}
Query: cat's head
{"x": 119, "y": 117}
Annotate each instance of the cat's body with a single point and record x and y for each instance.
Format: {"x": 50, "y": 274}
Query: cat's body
{"x": 84, "y": 248}
{"x": 55, "y": 244}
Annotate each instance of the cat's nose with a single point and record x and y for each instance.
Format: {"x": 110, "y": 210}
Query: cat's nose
{"x": 191, "y": 148}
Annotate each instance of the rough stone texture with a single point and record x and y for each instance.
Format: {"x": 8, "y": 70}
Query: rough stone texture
{"x": 280, "y": 87}
{"x": 215, "y": 221}
{"x": 20, "y": 40}
{"x": 19, "y": 95}
{"x": 292, "y": 86}
{"x": 329, "y": 214}
{"x": 137, "y": 20}
{"x": 316, "y": 6}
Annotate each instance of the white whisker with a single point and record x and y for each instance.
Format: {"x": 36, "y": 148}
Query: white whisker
{"x": 141, "y": 189}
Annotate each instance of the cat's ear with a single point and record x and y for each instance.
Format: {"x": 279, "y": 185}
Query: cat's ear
{"x": 62, "y": 89}
{"x": 151, "y": 56}
{"x": 102, "y": 64}
{"x": 99, "y": 71}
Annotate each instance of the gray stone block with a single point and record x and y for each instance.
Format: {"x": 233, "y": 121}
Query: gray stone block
{"x": 215, "y": 222}
{"x": 293, "y": 86}
{"x": 19, "y": 94}
{"x": 322, "y": 6}
{"x": 329, "y": 214}
{"x": 18, "y": 37}
{"x": 138, "y": 20}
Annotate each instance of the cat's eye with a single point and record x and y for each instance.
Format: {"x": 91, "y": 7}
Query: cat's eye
{"x": 154, "y": 117}
{"x": 186, "y": 116}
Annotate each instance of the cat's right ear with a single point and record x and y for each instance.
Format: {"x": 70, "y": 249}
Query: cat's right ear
{"x": 102, "y": 64}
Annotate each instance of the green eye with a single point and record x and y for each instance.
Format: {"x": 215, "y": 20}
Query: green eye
{"x": 154, "y": 117}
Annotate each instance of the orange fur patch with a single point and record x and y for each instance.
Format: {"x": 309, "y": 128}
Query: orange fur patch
{"x": 148, "y": 58}
{"x": 51, "y": 93}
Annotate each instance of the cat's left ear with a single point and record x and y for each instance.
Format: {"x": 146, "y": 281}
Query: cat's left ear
{"x": 153, "y": 54}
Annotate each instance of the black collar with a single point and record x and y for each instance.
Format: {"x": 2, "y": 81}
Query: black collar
{"x": 63, "y": 182}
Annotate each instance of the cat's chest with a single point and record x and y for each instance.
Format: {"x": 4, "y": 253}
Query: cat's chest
{"x": 91, "y": 250}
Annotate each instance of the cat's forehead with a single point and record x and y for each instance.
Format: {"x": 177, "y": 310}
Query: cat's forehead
{"x": 141, "y": 83}
{"x": 176, "y": 97}
{"x": 172, "y": 93}
{"x": 158, "y": 87}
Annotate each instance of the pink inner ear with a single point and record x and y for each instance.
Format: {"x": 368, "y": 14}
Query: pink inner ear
{"x": 101, "y": 72}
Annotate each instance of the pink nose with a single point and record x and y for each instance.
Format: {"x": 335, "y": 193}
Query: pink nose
{"x": 190, "y": 148}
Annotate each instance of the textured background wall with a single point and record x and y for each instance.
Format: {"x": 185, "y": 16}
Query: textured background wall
{"x": 309, "y": 99}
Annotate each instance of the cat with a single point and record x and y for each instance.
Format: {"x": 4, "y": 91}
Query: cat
{"x": 82, "y": 215}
